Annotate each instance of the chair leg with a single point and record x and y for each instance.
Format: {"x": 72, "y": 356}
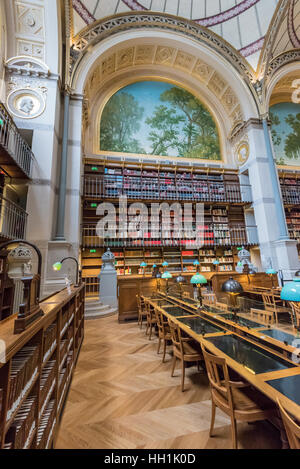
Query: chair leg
{"x": 147, "y": 327}
{"x": 234, "y": 433}
{"x": 213, "y": 416}
{"x": 173, "y": 366}
{"x": 150, "y": 335}
{"x": 182, "y": 375}
{"x": 159, "y": 343}
{"x": 165, "y": 348}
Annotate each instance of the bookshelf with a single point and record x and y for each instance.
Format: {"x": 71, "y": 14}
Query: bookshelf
{"x": 38, "y": 369}
{"x": 224, "y": 222}
{"x": 290, "y": 189}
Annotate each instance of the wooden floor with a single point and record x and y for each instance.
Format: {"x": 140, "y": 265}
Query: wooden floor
{"x": 123, "y": 397}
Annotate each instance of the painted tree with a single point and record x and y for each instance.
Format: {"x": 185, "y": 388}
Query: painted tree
{"x": 292, "y": 142}
{"x": 200, "y": 134}
{"x": 165, "y": 127}
{"x": 120, "y": 120}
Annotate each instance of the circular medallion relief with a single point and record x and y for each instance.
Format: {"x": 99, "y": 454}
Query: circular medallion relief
{"x": 26, "y": 103}
{"x": 243, "y": 152}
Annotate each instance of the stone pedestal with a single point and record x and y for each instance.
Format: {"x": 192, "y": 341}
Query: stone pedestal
{"x": 108, "y": 280}
{"x": 287, "y": 257}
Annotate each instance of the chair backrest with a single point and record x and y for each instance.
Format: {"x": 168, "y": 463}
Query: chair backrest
{"x": 296, "y": 315}
{"x": 222, "y": 306}
{"x": 291, "y": 427}
{"x": 217, "y": 372}
{"x": 266, "y": 317}
{"x": 269, "y": 301}
{"x": 176, "y": 336}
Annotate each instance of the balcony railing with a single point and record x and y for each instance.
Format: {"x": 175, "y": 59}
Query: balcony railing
{"x": 113, "y": 187}
{"x": 290, "y": 194}
{"x": 211, "y": 236}
{"x": 13, "y": 220}
{"x": 13, "y": 143}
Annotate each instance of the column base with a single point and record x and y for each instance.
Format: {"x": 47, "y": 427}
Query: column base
{"x": 287, "y": 257}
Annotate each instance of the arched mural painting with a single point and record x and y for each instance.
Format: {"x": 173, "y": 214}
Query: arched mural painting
{"x": 158, "y": 118}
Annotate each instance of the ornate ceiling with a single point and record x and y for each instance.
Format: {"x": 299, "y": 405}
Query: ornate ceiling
{"x": 242, "y": 23}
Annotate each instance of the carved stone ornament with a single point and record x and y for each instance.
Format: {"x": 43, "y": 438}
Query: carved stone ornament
{"x": 19, "y": 260}
{"x": 108, "y": 261}
{"x": 242, "y": 152}
{"x": 26, "y": 103}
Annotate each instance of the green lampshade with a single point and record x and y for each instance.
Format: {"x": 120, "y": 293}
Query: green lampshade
{"x": 57, "y": 266}
{"x": 271, "y": 272}
{"x": 166, "y": 275}
{"x": 196, "y": 263}
{"x": 143, "y": 264}
{"x": 198, "y": 279}
{"x": 165, "y": 264}
{"x": 291, "y": 291}
{"x": 216, "y": 262}
{"x": 154, "y": 266}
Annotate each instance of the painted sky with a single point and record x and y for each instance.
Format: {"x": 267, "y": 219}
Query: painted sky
{"x": 147, "y": 93}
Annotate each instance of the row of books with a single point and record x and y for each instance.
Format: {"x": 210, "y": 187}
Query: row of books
{"x": 162, "y": 174}
{"x": 21, "y": 430}
{"x": 49, "y": 341}
{"x": 24, "y": 368}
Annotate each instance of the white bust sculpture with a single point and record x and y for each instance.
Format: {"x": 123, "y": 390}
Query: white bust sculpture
{"x": 26, "y": 105}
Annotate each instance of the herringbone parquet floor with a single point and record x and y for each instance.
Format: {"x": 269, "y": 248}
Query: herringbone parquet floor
{"x": 123, "y": 397}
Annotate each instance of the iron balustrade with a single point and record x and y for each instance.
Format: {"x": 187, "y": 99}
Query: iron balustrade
{"x": 114, "y": 186}
{"x": 13, "y": 220}
{"x": 12, "y": 141}
{"x": 290, "y": 194}
{"x": 212, "y": 235}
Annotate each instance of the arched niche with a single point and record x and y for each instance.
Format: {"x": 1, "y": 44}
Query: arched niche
{"x": 158, "y": 55}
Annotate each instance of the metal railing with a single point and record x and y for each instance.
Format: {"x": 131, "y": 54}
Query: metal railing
{"x": 290, "y": 194}
{"x": 13, "y": 220}
{"x": 211, "y": 236}
{"x": 113, "y": 187}
{"x": 12, "y": 141}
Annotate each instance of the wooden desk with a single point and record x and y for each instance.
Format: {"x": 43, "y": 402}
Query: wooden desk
{"x": 284, "y": 377}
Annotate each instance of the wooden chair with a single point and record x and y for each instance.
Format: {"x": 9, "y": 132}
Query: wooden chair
{"x": 151, "y": 318}
{"x": 209, "y": 298}
{"x": 296, "y": 316}
{"x": 183, "y": 349}
{"x": 222, "y": 306}
{"x": 291, "y": 428}
{"x": 141, "y": 310}
{"x": 164, "y": 332}
{"x": 266, "y": 317}
{"x": 235, "y": 398}
{"x": 272, "y": 304}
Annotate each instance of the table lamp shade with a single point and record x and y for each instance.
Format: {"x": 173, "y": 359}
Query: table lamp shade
{"x": 196, "y": 263}
{"x": 232, "y": 286}
{"x": 154, "y": 266}
{"x": 216, "y": 262}
{"x": 291, "y": 291}
{"x": 166, "y": 275}
{"x": 57, "y": 266}
{"x": 143, "y": 264}
{"x": 271, "y": 272}
{"x": 180, "y": 279}
{"x": 165, "y": 264}
{"x": 198, "y": 279}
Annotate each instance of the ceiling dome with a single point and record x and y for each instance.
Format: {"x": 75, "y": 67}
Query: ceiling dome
{"x": 242, "y": 23}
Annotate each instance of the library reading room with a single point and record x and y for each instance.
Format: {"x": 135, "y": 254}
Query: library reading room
{"x": 149, "y": 225}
